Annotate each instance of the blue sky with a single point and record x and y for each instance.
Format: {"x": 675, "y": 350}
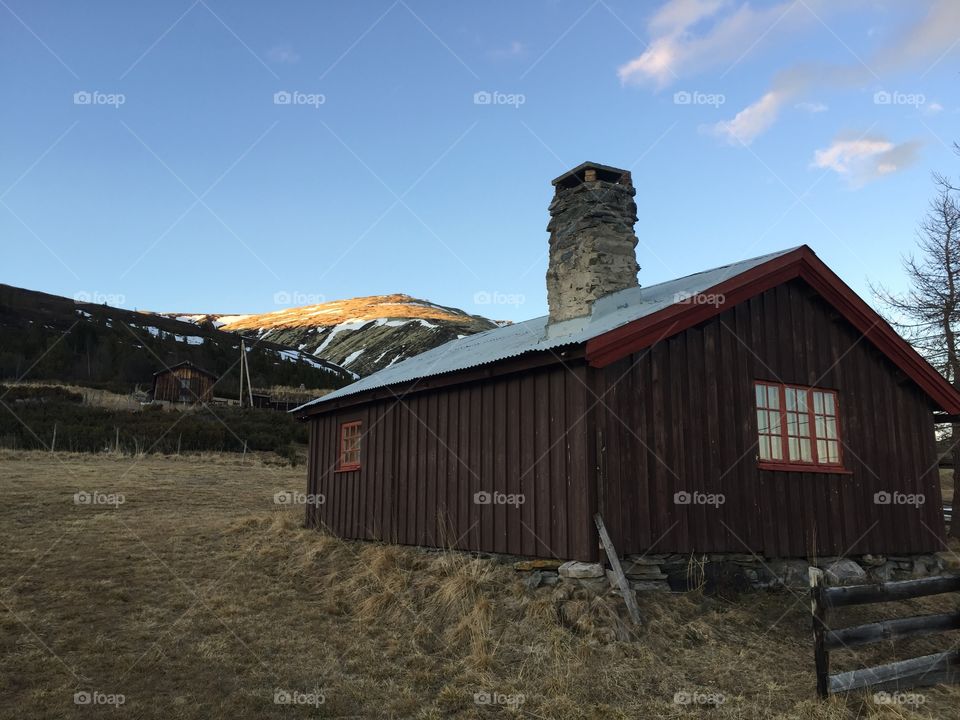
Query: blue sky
{"x": 148, "y": 160}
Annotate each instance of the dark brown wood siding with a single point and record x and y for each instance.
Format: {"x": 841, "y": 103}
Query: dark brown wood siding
{"x": 183, "y": 384}
{"x": 425, "y": 456}
{"x": 680, "y": 416}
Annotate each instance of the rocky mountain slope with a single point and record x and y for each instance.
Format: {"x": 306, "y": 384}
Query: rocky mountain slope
{"x": 49, "y": 337}
{"x": 362, "y": 335}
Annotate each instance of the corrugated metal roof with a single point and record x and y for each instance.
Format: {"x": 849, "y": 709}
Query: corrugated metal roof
{"x": 609, "y": 313}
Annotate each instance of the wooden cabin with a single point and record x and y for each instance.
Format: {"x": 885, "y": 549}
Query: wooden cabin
{"x": 184, "y": 383}
{"x": 757, "y": 407}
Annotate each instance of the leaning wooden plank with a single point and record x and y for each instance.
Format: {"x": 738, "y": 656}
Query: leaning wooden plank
{"x": 890, "y": 630}
{"x": 628, "y": 596}
{"x": 927, "y": 670}
{"x": 890, "y": 591}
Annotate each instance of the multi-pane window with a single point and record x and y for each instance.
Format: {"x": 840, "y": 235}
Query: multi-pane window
{"x": 349, "y": 446}
{"x": 797, "y": 425}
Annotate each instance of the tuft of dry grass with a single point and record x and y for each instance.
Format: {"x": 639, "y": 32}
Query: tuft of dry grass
{"x": 198, "y": 597}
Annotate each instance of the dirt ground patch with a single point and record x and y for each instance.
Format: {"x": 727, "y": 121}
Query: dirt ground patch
{"x": 200, "y": 596}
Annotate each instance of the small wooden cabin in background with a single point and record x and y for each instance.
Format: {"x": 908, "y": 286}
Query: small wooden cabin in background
{"x": 759, "y": 407}
{"x": 184, "y": 383}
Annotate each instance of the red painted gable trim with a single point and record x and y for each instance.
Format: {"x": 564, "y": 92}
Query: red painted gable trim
{"x": 800, "y": 263}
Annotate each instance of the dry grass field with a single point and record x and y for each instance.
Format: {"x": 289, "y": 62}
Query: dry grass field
{"x": 198, "y": 596}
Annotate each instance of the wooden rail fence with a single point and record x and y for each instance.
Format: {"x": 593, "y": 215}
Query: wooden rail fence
{"x": 943, "y": 667}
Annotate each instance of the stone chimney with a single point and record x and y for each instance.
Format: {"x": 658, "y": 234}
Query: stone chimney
{"x": 592, "y": 243}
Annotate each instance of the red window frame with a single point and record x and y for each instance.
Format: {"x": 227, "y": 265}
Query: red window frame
{"x": 348, "y": 447}
{"x": 799, "y": 436}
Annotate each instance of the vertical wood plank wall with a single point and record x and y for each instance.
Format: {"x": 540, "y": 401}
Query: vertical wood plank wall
{"x": 680, "y": 416}
{"x": 167, "y": 385}
{"x": 424, "y": 459}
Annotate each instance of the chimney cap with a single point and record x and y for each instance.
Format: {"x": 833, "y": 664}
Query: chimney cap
{"x": 575, "y": 177}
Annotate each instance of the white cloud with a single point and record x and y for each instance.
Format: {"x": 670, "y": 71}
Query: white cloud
{"x": 812, "y": 107}
{"x": 865, "y": 158}
{"x": 283, "y": 54}
{"x": 691, "y": 36}
{"x": 676, "y": 50}
{"x": 927, "y": 40}
{"x": 752, "y": 120}
{"x": 932, "y": 108}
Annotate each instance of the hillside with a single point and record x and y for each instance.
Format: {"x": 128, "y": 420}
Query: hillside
{"x": 56, "y": 338}
{"x": 362, "y": 334}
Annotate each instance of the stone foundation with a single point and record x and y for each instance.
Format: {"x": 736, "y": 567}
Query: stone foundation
{"x": 725, "y": 572}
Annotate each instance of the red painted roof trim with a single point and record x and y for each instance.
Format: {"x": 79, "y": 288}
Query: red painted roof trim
{"x": 800, "y": 263}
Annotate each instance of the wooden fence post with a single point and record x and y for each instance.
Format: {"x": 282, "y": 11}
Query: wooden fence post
{"x": 819, "y": 612}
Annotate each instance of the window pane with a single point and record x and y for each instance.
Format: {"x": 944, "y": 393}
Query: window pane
{"x": 762, "y": 425}
{"x": 828, "y": 403}
{"x": 774, "y": 422}
{"x": 764, "y": 447}
{"x": 831, "y": 427}
{"x": 822, "y": 451}
{"x": 794, "y": 449}
{"x": 773, "y": 397}
{"x": 821, "y": 427}
{"x": 833, "y": 451}
{"x": 817, "y": 401}
{"x": 776, "y": 448}
{"x": 804, "y": 430}
{"x": 791, "y": 423}
{"x": 761, "y": 395}
{"x": 791, "y": 396}
{"x": 805, "y": 455}
{"x": 802, "y": 401}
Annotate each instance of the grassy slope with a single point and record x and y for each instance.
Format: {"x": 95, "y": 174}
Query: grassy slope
{"x": 199, "y": 598}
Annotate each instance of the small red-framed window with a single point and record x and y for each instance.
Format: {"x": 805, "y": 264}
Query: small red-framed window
{"x": 798, "y": 427}
{"x": 349, "y": 456}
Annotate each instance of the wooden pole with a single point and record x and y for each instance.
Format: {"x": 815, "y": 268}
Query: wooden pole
{"x": 819, "y": 613}
{"x": 53, "y": 443}
{"x": 244, "y": 458}
{"x": 246, "y": 366}
{"x": 242, "y": 359}
{"x": 628, "y": 596}
{"x": 116, "y": 447}
{"x": 179, "y": 438}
